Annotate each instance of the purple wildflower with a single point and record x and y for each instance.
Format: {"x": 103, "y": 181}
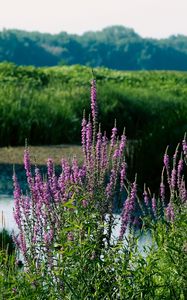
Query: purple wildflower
{"x": 26, "y": 206}
{"x": 184, "y": 145}
{"x": 46, "y": 194}
{"x": 183, "y": 191}
{"x": 170, "y": 212}
{"x": 17, "y": 199}
{"x": 98, "y": 147}
{"x": 75, "y": 169}
{"x": 122, "y": 144}
{"x": 83, "y": 135}
{"x": 22, "y": 243}
{"x": 48, "y": 237}
{"x": 66, "y": 170}
{"x": 146, "y": 197}
{"x": 88, "y": 139}
{"x": 122, "y": 175}
{"x": 127, "y": 210}
{"x": 179, "y": 172}
{"x": 116, "y": 154}
{"x": 113, "y": 136}
{"x": 166, "y": 161}
{"x": 82, "y": 174}
{"x": 104, "y": 152}
{"x": 93, "y": 100}
{"x": 38, "y": 185}
{"x": 162, "y": 192}
{"x": 154, "y": 205}
{"x": 173, "y": 178}
{"x": 35, "y": 232}
{"x": 27, "y": 166}
{"x": 110, "y": 186}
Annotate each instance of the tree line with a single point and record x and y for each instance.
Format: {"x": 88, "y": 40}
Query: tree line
{"x": 114, "y": 47}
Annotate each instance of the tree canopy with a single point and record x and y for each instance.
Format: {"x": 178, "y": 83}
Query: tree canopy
{"x": 114, "y": 47}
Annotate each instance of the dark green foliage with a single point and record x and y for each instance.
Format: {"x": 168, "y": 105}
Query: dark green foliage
{"x": 6, "y": 242}
{"x": 120, "y": 272}
{"x": 114, "y": 47}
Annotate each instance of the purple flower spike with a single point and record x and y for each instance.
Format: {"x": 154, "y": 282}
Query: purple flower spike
{"x": 170, "y": 212}
{"x": 183, "y": 192}
{"x": 122, "y": 175}
{"x": 113, "y": 136}
{"x": 116, "y": 154}
{"x": 162, "y": 192}
{"x": 27, "y": 166}
{"x": 110, "y": 185}
{"x": 17, "y": 204}
{"x": 75, "y": 169}
{"x": 154, "y": 205}
{"x": 166, "y": 161}
{"x": 48, "y": 236}
{"x": 104, "y": 158}
{"x": 122, "y": 144}
{"x": 27, "y": 161}
{"x": 127, "y": 211}
{"x": 27, "y": 206}
{"x": 98, "y": 147}
{"x": 88, "y": 139}
{"x": 173, "y": 178}
{"x": 65, "y": 170}
{"x": 184, "y": 145}
{"x": 83, "y": 135}
{"x": 93, "y": 100}
{"x": 179, "y": 172}
{"x": 22, "y": 243}
{"x": 146, "y": 197}
{"x": 38, "y": 182}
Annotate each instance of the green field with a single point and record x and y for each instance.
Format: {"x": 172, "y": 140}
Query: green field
{"x": 45, "y": 105}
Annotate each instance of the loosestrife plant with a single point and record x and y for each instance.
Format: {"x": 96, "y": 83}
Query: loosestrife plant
{"x": 97, "y": 187}
{"x": 66, "y": 222}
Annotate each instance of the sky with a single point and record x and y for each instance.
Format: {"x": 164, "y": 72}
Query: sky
{"x": 149, "y": 18}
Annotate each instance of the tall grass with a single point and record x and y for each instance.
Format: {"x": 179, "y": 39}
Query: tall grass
{"x": 45, "y": 106}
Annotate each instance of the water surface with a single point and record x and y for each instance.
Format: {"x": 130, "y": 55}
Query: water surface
{"x": 6, "y": 209}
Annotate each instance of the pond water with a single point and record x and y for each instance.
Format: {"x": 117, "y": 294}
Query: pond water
{"x": 6, "y": 212}
{"x": 7, "y": 221}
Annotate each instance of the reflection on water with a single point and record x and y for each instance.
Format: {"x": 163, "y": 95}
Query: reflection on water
{"x": 144, "y": 240}
{"x": 6, "y": 211}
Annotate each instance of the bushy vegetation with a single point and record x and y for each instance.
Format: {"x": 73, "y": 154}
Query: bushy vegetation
{"x": 45, "y": 106}
{"x": 66, "y": 226}
{"x": 6, "y": 242}
{"x": 114, "y": 47}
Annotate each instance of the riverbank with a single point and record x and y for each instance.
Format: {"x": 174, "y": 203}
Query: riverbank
{"x": 12, "y": 157}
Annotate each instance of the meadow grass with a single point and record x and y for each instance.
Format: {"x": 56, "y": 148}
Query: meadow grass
{"x": 45, "y": 106}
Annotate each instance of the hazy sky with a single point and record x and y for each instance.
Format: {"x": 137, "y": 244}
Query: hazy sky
{"x": 150, "y": 18}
